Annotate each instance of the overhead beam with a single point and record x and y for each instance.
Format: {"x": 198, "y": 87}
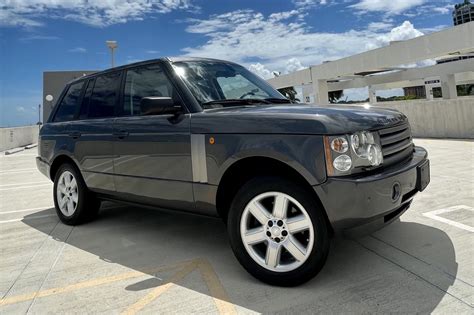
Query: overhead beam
{"x": 452, "y": 40}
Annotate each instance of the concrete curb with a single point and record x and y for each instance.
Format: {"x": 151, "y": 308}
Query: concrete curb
{"x": 13, "y": 151}
{"x": 31, "y": 146}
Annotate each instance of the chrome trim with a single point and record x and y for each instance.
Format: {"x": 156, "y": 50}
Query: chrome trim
{"x": 198, "y": 158}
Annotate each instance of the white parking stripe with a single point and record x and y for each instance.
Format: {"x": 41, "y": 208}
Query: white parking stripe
{"x": 28, "y": 218}
{"x": 22, "y": 170}
{"x": 434, "y": 215}
{"x": 27, "y": 183}
{"x": 26, "y": 210}
{"x": 22, "y": 187}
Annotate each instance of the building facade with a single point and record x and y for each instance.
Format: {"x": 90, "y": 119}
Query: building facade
{"x": 463, "y": 12}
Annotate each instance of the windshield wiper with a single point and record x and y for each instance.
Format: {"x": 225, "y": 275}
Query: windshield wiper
{"x": 278, "y": 100}
{"x": 238, "y": 101}
{"x": 248, "y": 101}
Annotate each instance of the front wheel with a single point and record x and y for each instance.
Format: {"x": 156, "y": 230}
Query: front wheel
{"x": 73, "y": 202}
{"x": 278, "y": 232}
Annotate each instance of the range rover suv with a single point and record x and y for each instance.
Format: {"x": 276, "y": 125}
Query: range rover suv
{"x": 209, "y": 137}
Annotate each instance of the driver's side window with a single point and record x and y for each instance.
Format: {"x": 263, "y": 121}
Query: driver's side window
{"x": 235, "y": 87}
{"x": 143, "y": 82}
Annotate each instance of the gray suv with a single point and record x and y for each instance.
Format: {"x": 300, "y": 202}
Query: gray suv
{"x": 209, "y": 137}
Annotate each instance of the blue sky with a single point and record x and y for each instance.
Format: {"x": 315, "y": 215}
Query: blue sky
{"x": 264, "y": 35}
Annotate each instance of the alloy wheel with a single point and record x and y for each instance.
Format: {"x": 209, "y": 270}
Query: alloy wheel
{"x": 67, "y": 193}
{"x": 277, "y": 231}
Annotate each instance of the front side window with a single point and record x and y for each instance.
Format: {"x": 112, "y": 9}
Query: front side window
{"x": 143, "y": 82}
{"x": 214, "y": 81}
{"x": 104, "y": 96}
{"x": 70, "y": 102}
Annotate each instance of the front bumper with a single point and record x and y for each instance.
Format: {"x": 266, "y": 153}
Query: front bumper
{"x": 361, "y": 205}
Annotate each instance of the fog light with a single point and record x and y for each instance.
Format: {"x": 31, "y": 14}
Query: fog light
{"x": 342, "y": 163}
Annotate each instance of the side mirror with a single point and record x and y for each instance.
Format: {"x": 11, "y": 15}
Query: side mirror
{"x": 157, "y": 105}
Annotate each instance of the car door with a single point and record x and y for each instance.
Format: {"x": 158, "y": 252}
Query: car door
{"x": 153, "y": 152}
{"x": 92, "y": 132}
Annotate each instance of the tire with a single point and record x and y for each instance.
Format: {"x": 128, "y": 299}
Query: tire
{"x": 74, "y": 203}
{"x": 277, "y": 257}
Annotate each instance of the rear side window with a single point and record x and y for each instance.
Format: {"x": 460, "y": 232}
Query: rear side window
{"x": 70, "y": 102}
{"x": 85, "y": 99}
{"x": 142, "y": 82}
{"x": 104, "y": 96}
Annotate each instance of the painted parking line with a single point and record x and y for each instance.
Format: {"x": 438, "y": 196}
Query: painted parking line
{"x": 435, "y": 216}
{"x": 24, "y": 187}
{"x": 33, "y": 217}
{"x": 26, "y": 210}
{"x": 22, "y": 170}
{"x": 217, "y": 291}
{"x": 27, "y": 183}
{"x": 84, "y": 284}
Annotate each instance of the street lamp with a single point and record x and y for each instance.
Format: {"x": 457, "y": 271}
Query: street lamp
{"x": 112, "y": 44}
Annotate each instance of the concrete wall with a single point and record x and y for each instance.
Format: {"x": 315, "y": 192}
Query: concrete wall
{"x": 438, "y": 118}
{"x": 18, "y": 137}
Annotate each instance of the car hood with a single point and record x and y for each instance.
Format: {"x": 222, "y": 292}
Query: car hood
{"x": 296, "y": 119}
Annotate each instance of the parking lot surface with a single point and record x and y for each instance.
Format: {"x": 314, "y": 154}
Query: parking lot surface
{"x": 133, "y": 260}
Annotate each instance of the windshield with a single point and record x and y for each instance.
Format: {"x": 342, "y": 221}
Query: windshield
{"x": 214, "y": 81}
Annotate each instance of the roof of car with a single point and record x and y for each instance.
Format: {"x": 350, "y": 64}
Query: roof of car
{"x": 144, "y": 62}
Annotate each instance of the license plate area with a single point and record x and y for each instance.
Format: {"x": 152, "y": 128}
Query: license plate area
{"x": 423, "y": 175}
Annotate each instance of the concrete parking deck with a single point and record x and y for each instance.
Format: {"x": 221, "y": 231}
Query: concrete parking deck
{"x": 138, "y": 260}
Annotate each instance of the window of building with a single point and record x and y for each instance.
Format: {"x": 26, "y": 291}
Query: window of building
{"x": 104, "y": 96}
{"x": 143, "y": 82}
{"x": 68, "y": 106}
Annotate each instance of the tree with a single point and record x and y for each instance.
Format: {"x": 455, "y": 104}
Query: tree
{"x": 289, "y": 93}
{"x": 334, "y": 96}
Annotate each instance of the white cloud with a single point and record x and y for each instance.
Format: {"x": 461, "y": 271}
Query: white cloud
{"x": 20, "y": 109}
{"x": 379, "y": 26}
{"x": 267, "y": 44}
{"x": 387, "y": 6}
{"x": 78, "y": 50}
{"x": 98, "y": 13}
{"x": 402, "y": 32}
{"x": 260, "y": 70}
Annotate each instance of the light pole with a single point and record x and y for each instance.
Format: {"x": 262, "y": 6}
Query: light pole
{"x": 112, "y": 44}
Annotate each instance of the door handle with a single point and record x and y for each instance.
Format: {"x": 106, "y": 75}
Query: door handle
{"x": 121, "y": 134}
{"x": 75, "y": 134}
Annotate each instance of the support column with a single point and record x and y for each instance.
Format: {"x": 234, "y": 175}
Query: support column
{"x": 308, "y": 91}
{"x": 372, "y": 95}
{"x": 448, "y": 86}
{"x": 429, "y": 91}
{"x": 321, "y": 92}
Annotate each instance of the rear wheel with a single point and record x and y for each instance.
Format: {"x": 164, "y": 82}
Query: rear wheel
{"x": 277, "y": 231}
{"x": 73, "y": 202}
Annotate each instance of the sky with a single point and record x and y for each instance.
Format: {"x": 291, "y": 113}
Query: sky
{"x": 263, "y": 35}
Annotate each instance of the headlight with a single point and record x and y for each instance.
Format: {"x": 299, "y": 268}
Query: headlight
{"x": 349, "y": 154}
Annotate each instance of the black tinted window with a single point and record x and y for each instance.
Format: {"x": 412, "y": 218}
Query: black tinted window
{"x": 104, "y": 95}
{"x": 85, "y": 100}
{"x": 142, "y": 82}
{"x": 68, "y": 106}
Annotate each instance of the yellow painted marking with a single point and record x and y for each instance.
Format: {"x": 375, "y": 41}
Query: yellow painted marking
{"x": 218, "y": 293}
{"x": 84, "y": 284}
{"x": 155, "y": 293}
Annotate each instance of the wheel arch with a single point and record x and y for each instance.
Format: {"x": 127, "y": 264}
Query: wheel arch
{"x": 239, "y": 172}
{"x": 58, "y": 161}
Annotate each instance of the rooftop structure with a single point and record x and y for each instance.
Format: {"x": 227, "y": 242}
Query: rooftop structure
{"x": 463, "y": 12}
{"x": 386, "y": 67}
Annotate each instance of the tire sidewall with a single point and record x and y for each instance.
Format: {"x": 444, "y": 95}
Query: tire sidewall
{"x": 320, "y": 249}
{"x": 76, "y": 217}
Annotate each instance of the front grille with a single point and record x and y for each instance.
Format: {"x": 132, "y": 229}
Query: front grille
{"x": 397, "y": 144}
